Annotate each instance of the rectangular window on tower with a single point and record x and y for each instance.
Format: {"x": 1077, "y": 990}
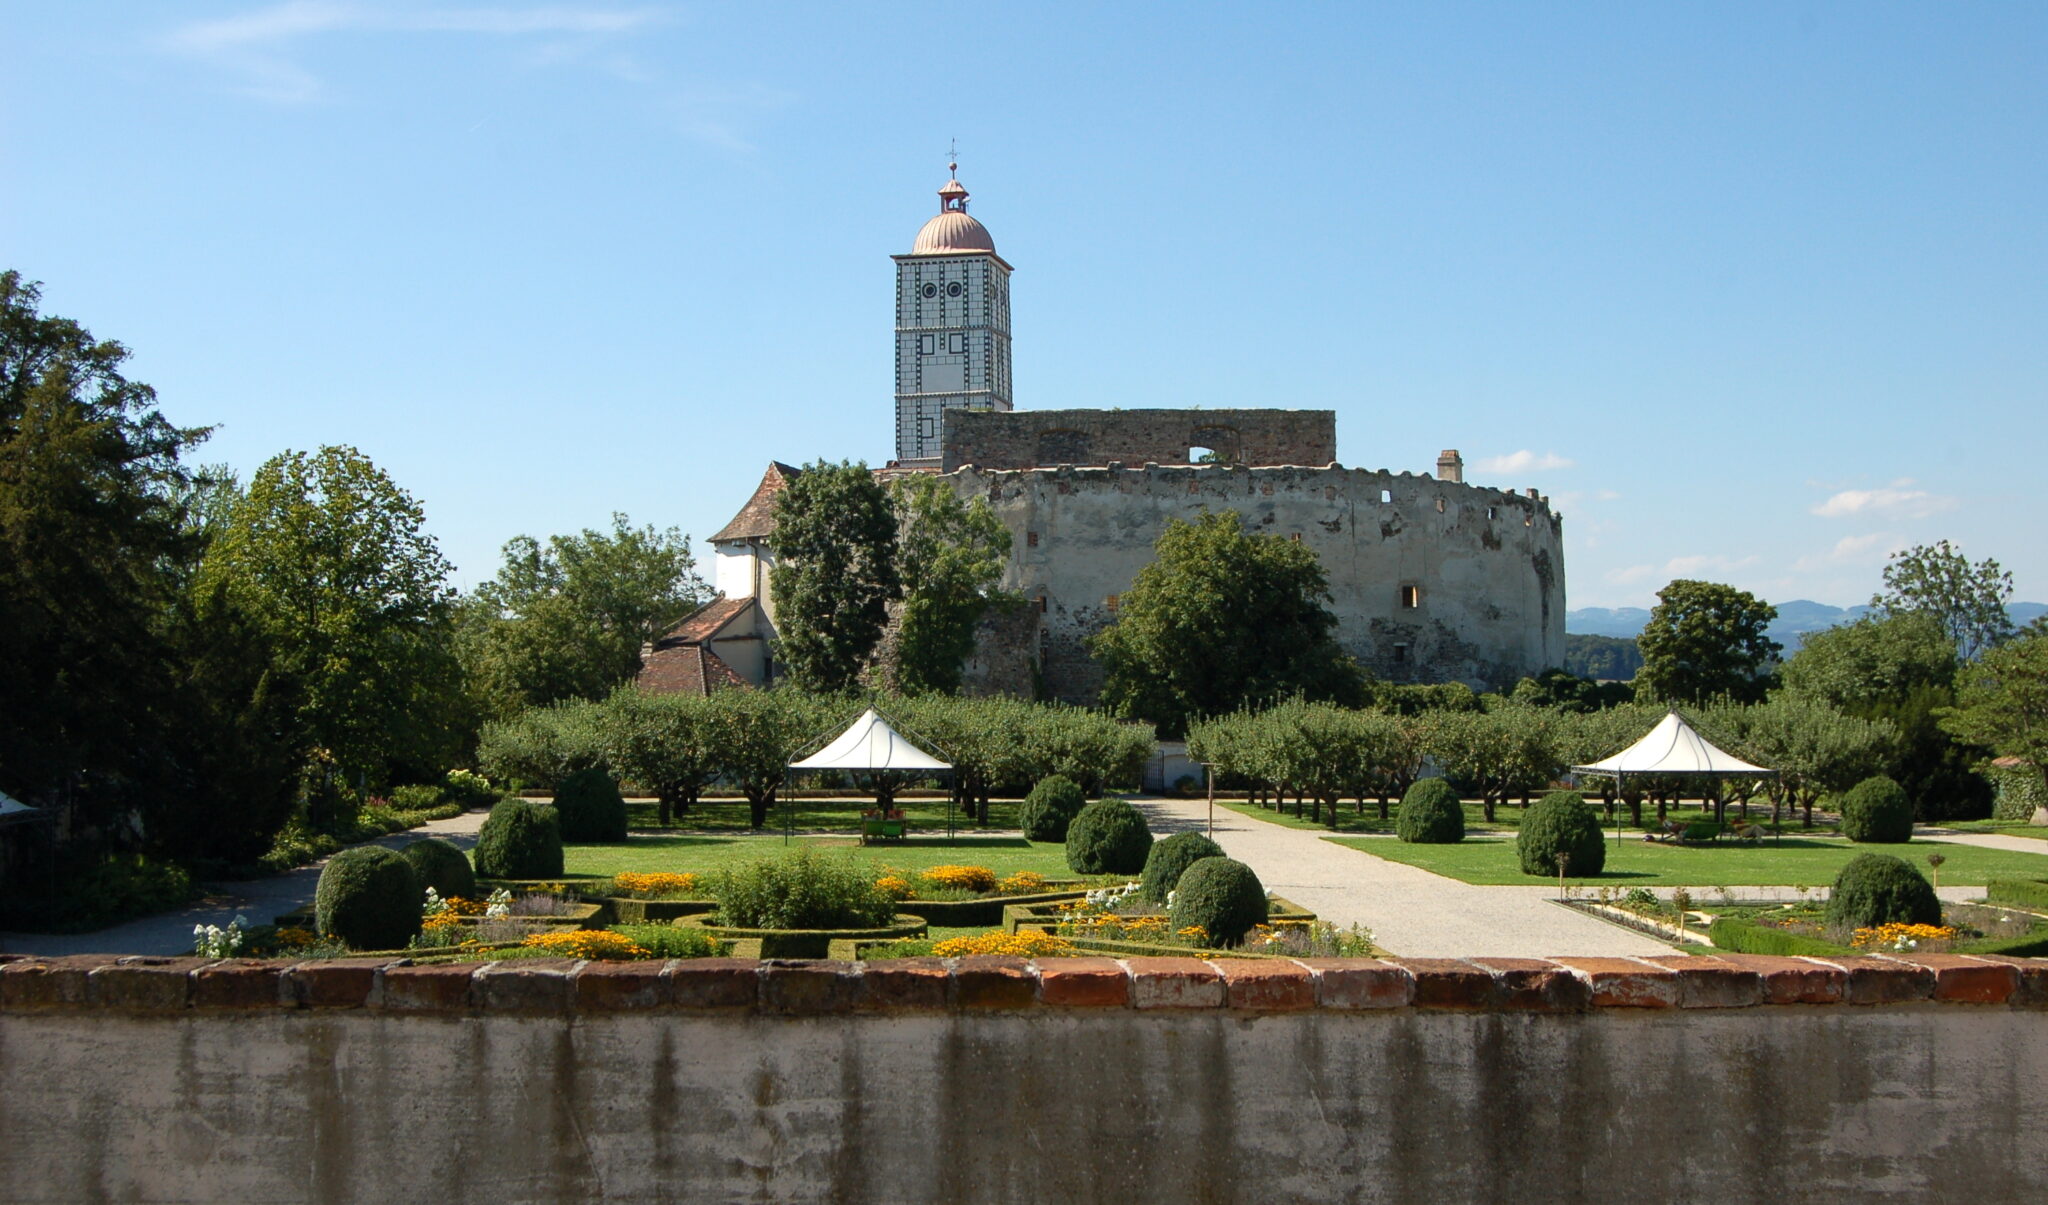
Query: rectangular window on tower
{"x": 1411, "y": 597}
{"x": 956, "y": 344}
{"x": 927, "y": 345}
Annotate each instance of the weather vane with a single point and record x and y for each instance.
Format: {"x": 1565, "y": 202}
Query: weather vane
{"x": 953, "y": 154}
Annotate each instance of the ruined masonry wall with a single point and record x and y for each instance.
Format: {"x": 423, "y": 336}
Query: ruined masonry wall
{"x": 1488, "y": 564}
{"x": 1915, "y": 1078}
{"x": 1022, "y": 439}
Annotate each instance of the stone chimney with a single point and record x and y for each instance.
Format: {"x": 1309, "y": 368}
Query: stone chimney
{"x": 1450, "y": 466}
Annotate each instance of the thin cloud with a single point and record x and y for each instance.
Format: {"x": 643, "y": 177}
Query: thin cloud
{"x": 1897, "y": 499}
{"x": 1686, "y": 566}
{"x": 1523, "y": 461}
{"x": 1870, "y": 549}
{"x": 255, "y": 49}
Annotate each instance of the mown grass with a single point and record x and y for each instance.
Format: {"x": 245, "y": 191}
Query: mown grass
{"x": 1813, "y": 861}
{"x": 813, "y": 815}
{"x": 703, "y": 854}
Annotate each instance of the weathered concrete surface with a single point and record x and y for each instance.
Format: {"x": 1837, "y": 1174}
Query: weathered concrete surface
{"x": 1790, "y": 1104}
{"x": 1023, "y": 439}
{"x": 1486, "y": 565}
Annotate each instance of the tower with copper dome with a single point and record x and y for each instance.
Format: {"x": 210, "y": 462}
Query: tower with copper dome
{"x": 952, "y": 325}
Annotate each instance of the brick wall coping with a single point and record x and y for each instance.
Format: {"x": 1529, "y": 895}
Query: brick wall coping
{"x": 798, "y": 987}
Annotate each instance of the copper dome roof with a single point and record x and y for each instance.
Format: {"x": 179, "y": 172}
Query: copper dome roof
{"x": 952, "y": 230}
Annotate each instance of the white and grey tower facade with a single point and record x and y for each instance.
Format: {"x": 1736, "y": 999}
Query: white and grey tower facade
{"x": 952, "y": 325}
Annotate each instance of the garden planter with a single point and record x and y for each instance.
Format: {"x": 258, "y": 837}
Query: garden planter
{"x": 801, "y": 943}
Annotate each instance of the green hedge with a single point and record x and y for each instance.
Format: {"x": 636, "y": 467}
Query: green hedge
{"x": 2021, "y": 893}
{"x": 1746, "y": 937}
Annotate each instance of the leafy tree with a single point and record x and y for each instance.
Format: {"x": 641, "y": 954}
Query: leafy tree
{"x": 1220, "y": 619}
{"x": 951, "y": 555}
{"x": 758, "y": 732}
{"x": 89, "y": 525}
{"x": 2002, "y": 702}
{"x": 1703, "y": 640}
{"x": 1900, "y": 669}
{"x": 543, "y": 745}
{"x": 330, "y": 559}
{"x": 567, "y": 619}
{"x": 835, "y": 574}
{"x": 666, "y": 743}
{"x": 1968, "y": 600}
{"x": 1602, "y": 658}
{"x": 1496, "y": 753}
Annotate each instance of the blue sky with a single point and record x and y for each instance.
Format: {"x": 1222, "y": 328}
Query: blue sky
{"x": 1755, "y": 292}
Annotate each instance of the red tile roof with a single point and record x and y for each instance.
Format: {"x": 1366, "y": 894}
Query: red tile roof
{"x": 705, "y": 622}
{"x": 687, "y": 669}
{"x": 756, "y": 520}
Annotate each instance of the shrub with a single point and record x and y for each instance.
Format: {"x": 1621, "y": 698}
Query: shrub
{"x": 590, "y": 808}
{"x": 671, "y": 941}
{"x": 1431, "y": 814}
{"x": 1220, "y": 896}
{"x": 519, "y": 840}
{"x": 1876, "y": 811}
{"x": 470, "y": 789}
{"x": 1169, "y": 858}
{"x": 1878, "y": 889}
{"x": 1746, "y": 937}
{"x": 441, "y": 866}
{"x": 369, "y": 898}
{"x": 1561, "y": 823}
{"x": 801, "y": 890}
{"x": 416, "y": 797}
{"x": 1050, "y": 808}
{"x": 1108, "y": 837}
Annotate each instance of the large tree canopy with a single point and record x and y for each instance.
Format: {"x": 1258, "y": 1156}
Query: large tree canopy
{"x": 1219, "y": 620}
{"x": 567, "y": 619}
{"x": 331, "y": 560}
{"x": 951, "y": 555}
{"x": 2002, "y": 703}
{"x": 1968, "y": 600}
{"x": 835, "y": 574}
{"x": 1705, "y": 640}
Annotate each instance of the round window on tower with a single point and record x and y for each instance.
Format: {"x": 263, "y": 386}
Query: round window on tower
{"x": 953, "y": 290}
{"x": 931, "y": 290}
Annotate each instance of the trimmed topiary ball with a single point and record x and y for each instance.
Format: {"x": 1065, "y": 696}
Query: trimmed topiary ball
{"x": 1050, "y": 808}
{"x": 1561, "y": 823}
{"x": 1223, "y": 896}
{"x": 1431, "y": 814}
{"x": 590, "y": 808}
{"x": 1108, "y": 837}
{"x": 519, "y": 840}
{"x": 1170, "y": 859}
{"x": 1878, "y": 889}
{"x": 1877, "y": 811}
{"x": 369, "y": 898}
{"x": 441, "y": 866}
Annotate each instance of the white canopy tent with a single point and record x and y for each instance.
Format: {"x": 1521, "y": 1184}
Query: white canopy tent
{"x": 1672, "y": 748}
{"x": 869, "y": 745}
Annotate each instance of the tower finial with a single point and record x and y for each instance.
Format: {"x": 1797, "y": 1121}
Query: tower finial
{"x": 953, "y": 156}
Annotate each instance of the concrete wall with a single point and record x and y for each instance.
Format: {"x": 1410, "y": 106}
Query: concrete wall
{"x": 1073, "y": 1080}
{"x": 1030, "y": 438}
{"x": 1488, "y": 563}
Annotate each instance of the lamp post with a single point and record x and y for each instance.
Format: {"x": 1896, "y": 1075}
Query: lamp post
{"x": 1209, "y": 777}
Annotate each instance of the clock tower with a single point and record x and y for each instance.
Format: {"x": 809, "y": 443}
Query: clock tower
{"x": 952, "y": 325}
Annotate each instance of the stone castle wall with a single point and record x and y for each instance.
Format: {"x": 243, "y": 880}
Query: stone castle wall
{"x": 1903, "y": 1078}
{"x": 1487, "y": 565}
{"x": 1022, "y": 439}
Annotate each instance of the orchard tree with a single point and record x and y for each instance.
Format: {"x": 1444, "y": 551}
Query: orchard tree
{"x": 567, "y": 619}
{"x": 835, "y": 574}
{"x": 331, "y": 560}
{"x": 2002, "y": 703}
{"x": 664, "y": 742}
{"x": 1967, "y": 600}
{"x": 1221, "y": 619}
{"x": 951, "y": 555}
{"x": 1706, "y": 640}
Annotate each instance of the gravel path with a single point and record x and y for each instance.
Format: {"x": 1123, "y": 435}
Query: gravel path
{"x": 257, "y": 899}
{"x": 2023, "y": 845}
{"x": 1410, "y": 911}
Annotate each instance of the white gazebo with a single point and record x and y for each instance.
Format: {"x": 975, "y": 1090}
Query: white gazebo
{"x": 1672, "y": 748}
{"x": 869, "y": 745}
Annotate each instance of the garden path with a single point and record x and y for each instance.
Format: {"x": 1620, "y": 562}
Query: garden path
{"x": 2025, "y": 845}
{"x": 1410, "y": 911}
{"x": 256, "y": 899}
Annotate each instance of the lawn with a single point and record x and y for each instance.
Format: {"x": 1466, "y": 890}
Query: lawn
{"x": 1507, "y": 818}
{"x": 700, "y": 854}
{"x": 1637, "y": 863}
{"x": 841, "y": 815}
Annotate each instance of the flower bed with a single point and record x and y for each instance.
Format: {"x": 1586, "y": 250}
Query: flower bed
{"x": 802, "y": 943}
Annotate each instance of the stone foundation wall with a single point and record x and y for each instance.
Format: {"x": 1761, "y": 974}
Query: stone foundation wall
{"x": 1022, "y": 439}
{"x": 998, "y": 1080}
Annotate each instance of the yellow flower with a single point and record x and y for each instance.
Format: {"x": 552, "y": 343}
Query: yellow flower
{"x": 1017, "y": 945}
{"x": 896, "y": 887}
{"x": 1024, "y": 882}
{"x": 962, "y": 878}
{"x": 655, "y": 885}
{"x": 292, "y": 936}
{"x": 1898, "y": 936}
{"x": 599, "y": 944}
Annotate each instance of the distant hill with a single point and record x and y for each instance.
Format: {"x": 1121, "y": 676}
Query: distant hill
{"x": 1795, "y": 619}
